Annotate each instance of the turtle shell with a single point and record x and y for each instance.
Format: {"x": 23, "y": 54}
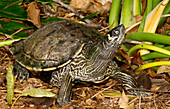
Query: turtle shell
{"x": 54, "y": 44}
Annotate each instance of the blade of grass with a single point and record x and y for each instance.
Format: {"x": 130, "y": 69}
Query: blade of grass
{"x": 8, "y": 42}
{"x": 126, "y": 16}
{"x": 147, "y": 11}
{"x": 114, "y": 13}
{"x": 136, "y": 7}
{"x": 155, "y": 55}
{"x": 150, "y": 47}
{"x": 89, "y": 16}
{"x": 155, "y": 3}
{"x": 145, "y": 66}
{"x": 151, "y": 37}
{"x": 166, "y": 11}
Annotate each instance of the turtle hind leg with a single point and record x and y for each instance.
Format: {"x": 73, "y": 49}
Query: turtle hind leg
{"x": 65, "y": 84}
{"x": 20, "y": 72}
{"x": 127, "y": 81}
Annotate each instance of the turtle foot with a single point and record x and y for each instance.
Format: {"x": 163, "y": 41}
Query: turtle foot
{"x": 63, "y": 102}
{"x": 139, "y": 93}
{"x": 20, "y": 72}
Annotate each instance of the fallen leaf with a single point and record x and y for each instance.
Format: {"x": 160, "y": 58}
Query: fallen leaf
{"x": 151, "y": 73}
{"x": 154, "y": 16}
{"x": 123, "y": 102}
{"x": 163, "y": 69}
{"x": 102, "y": 6}
{"x": 10, "y": 84}
{"x": 144, "y": 81}
{"x": 33, "y": 14}
{"x": 165, "y": 87}
{"x": 36, "y": 93}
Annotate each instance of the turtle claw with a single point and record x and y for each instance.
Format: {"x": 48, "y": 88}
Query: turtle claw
{"x": 20, "y": 72}
{"x": 144, "y": 94}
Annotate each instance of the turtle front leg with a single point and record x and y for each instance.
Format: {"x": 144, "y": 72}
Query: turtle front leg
{"x": 127, "y": 80}
{"x": 64, "y": 82}
{"x": 20, "y": 72}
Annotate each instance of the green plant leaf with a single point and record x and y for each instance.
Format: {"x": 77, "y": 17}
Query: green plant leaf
{"x": 114, "y": 13}
{"x": 127, "y": 18}
{"x": 38, "y": 93}
{"x": 155, "y": 55}
{"x": 150, "y": 47}
{"x": 11, "y": 9}
{"x": 136, "y": 7}
{"x": 10, "y": 84}
{"x": 147, "y": 11}
{"x": 8, "y": 42}
{"x": 166, "y": 11}
{"x": 89, "y": 16}
{"x": 145, "y": 66}
{"x": 111, "y": 93}
{"x": 51, "y": 19}
{"x": 11, "y": 27}
{"x": 151, "y": 37}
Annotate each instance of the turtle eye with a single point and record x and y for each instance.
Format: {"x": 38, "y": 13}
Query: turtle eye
{"x": 116, "y": 32}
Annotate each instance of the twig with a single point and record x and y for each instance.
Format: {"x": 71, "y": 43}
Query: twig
{"x": 87, "y": 98}
{"x": 12, "y": 4}
{"x": 101, "y": 91}
{"x": 166, "y": 15}
{"x": 139, "y": 102}
{"x": 154, "y": 102}
{"x": 134, "y": 42}
{"x": 10, "y": 36}
{"x": 73, "y": 10}
{"x": 74, "y": 102}
{"x": 105, "y": 28}
{"x": 147, "y": 90}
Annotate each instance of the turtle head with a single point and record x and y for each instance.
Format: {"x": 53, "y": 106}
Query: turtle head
{"x": 116, "y": 35}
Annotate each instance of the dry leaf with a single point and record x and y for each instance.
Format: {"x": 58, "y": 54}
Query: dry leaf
{"x": 144, "y": 81}
{"x": 123, "y": 102}
{"x": 138, "y": 18}
{"x": 80, "y": 4}
{"x": 165, "y": 87}
{"x": 164, "y": 68}
{"x": 151, "y": 73}
{"x": 102, "y": 6}
{"x": 33, "y": 14}
{"x": 152, "y": 19}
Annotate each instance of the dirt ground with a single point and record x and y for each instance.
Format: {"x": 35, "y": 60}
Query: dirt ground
{"x": 88, "y": 96}
{"x": 92, "y": 96}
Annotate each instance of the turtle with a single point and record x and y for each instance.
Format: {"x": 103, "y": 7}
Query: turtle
{"x": 68, "y": 52}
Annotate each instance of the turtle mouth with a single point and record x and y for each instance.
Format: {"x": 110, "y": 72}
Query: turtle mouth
{"x": 120, "y": 39}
